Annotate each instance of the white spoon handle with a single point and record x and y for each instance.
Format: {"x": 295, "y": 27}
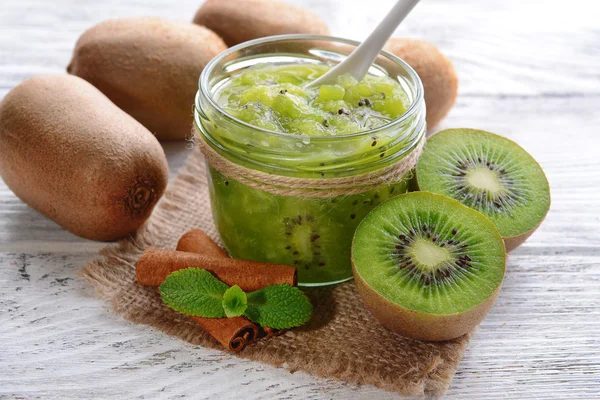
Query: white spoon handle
{"x": 357, "y": 64}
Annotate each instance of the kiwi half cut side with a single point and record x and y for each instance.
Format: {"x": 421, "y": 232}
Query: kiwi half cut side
{"x": 426, "y": 266}
{"x": 491, "y": 174}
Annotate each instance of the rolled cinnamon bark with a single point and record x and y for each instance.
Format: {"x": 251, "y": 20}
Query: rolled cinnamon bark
{"x": 233, "y": 333}
{"x": 198, "y": 242}
{"x": 155, "y": 265}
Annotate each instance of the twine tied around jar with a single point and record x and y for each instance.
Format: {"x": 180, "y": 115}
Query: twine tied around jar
{"x": 309, "y": 187}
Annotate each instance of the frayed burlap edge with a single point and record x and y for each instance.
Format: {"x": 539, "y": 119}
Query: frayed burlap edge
{"x": 342, "y": 340}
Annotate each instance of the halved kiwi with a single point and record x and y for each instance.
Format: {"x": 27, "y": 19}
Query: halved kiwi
{"x": 491, "y": 174}
{"x": 427, "y": 266}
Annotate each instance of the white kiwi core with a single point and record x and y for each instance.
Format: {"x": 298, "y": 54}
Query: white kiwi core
{"x": 429, "y": 255}
{"x": 484, "y": 179}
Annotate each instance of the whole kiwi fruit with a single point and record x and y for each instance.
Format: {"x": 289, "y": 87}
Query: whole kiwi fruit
{"x": 70, "y": 153}
{"x": 427, "y": 266}
{"x": 149, "y": 67}
{"x": 436, "y": 71}
{"x": 237, "y": 21}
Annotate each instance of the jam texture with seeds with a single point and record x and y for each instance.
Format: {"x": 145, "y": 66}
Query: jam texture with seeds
{"x": 274, "y": 98}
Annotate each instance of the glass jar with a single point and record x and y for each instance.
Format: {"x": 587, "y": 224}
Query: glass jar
{"x": 294, "y": 199}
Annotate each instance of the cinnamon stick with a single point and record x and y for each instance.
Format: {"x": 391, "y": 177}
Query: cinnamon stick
{"x": 233, "y": 333}
{"x": 155, "y": 265}
{"x": 198, "y": 242}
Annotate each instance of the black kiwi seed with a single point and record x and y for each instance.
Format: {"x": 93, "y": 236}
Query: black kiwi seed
{"x": 321, "y": 263}
{"x": 226, "y": 183}
{"x": 314, "y": 237}
{"x": 352, "y": 216}
{"x": 454, "y": 231}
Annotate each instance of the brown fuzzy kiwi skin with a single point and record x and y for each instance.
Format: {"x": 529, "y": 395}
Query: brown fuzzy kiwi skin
{"x": 237, "y": 21}
{"x": 436, "y": 71}
{"x": 74, "y": 156}
{"x": 149, "y": 67}
{"x": 420, "y": 325}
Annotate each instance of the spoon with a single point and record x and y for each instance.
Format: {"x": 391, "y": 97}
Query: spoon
{"x": 359, "y": 61}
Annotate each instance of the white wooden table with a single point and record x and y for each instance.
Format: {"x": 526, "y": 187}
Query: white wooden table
{"x": 528, "y": 70}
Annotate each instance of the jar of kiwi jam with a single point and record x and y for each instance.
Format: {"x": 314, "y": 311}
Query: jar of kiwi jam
{"x": 292, "y": 171}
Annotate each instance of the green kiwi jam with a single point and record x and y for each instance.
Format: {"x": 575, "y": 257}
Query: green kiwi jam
{"x": 274, "y": 98}
{"x": 252, "y": 110}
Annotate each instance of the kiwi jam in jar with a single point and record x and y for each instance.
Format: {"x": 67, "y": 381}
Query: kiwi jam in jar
{"x": 292, "y": 171}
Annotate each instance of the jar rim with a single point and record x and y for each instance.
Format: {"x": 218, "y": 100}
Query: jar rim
{"x": 203, "y": 85}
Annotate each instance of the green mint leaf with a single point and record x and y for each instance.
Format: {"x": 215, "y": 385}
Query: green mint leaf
{"x": 194, "y": 291}
{"x": 234, "y": 301}
{"x": 279, "y": 306}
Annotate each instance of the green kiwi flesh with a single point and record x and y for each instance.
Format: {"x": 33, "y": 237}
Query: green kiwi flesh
{"x": 489, "y": 173}
{"x": 427, "y": 266}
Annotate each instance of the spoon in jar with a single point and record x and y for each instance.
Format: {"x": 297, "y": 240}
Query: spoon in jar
{"x": 359, "y": 61}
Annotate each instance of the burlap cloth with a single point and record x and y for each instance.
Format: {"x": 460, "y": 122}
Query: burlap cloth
{"x": 342, "y": 340}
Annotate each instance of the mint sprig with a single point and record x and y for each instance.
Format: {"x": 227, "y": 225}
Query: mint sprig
{"x": 279, "y": 306}
{"x": 234, "y": 301}
{"x": 194, "y": 291}
{"x": 197, "y": 292}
